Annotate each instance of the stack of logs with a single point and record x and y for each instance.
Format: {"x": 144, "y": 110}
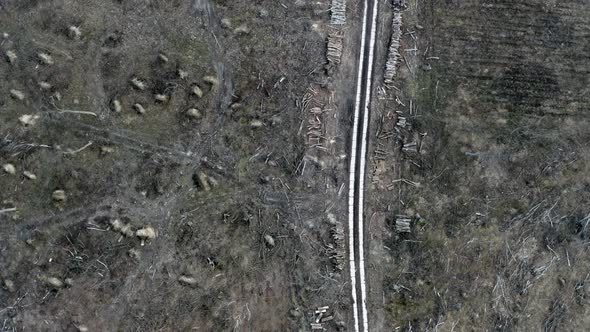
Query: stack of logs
{"x": 394, "y": 44}
{"x": 338, "y": 11}
{"x": 334, "y": 52}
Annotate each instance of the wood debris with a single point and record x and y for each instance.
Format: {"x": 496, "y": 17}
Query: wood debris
{"x": 56, "y": 95}
{"x": 30, "y": 175}
{"x": 9, "y": 285}
{"x": 337, "y": 250}
{"x": 193, "y": 113}
{"x": 116, "y": 105}
{"x": 134, "y": 253}
{"x": 402, "y": 224}
{"x": 270, "y": 241}
{"x": 316, "y": 326}
{"x": 400, "y": 4}
{"x": 182, "y": 74}
{"x": 72, "y": 152}
{"x": 202, "y": 178}
{"x": 28, "y": 119}
{"x": 225, "y": 23}
{"x": 197, "y": 91}
{"x": 263, "y": 13}
{"x": 122, "y": 228}
{"x": 162, "y": 98}
{"x": 74, "y": 32}
{"x": 321, "y": 316}
{"x": 11, "y": 209}
{"x": 394, "y": 44}
{"x": 45, "y": 59}
{"x": 211, "y": 80}
{"x": 242, "y": 30}
{"x": 338, "y": 12}
{"x": 276, "y": 120}
{"x": 59, "y": 195}
{"x": 307, "y": 99}
{"x": 17, "y": 94}
{"x": 213, "y": 181}
{"x": 146, "y": 233}
{"x": 106, "y": 150}
{"x": 138, "y": 84}
{"x": 82, "y": 328}
{"x": 321, "y": 310}
{"x": 11, "y": 56}
{"x": 402, "y": 122}
{"x": 190, "y": 281}
{"x": 334, "y": 52}
{"x": 55, "y": 282}
{"x": 410, "y": 147}
{"x": 408, "y": 182}
{"x": 163, "y": 58}
{"x": 314, "y": 127}
{"x": 44, "y": 85}
{"x": 9, "y": 168}
{"x": 139, "y": 108}
{"x": 256, "y": 123}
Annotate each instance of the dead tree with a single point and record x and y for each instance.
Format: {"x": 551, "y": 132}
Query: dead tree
{"x": 394, "y": 44}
